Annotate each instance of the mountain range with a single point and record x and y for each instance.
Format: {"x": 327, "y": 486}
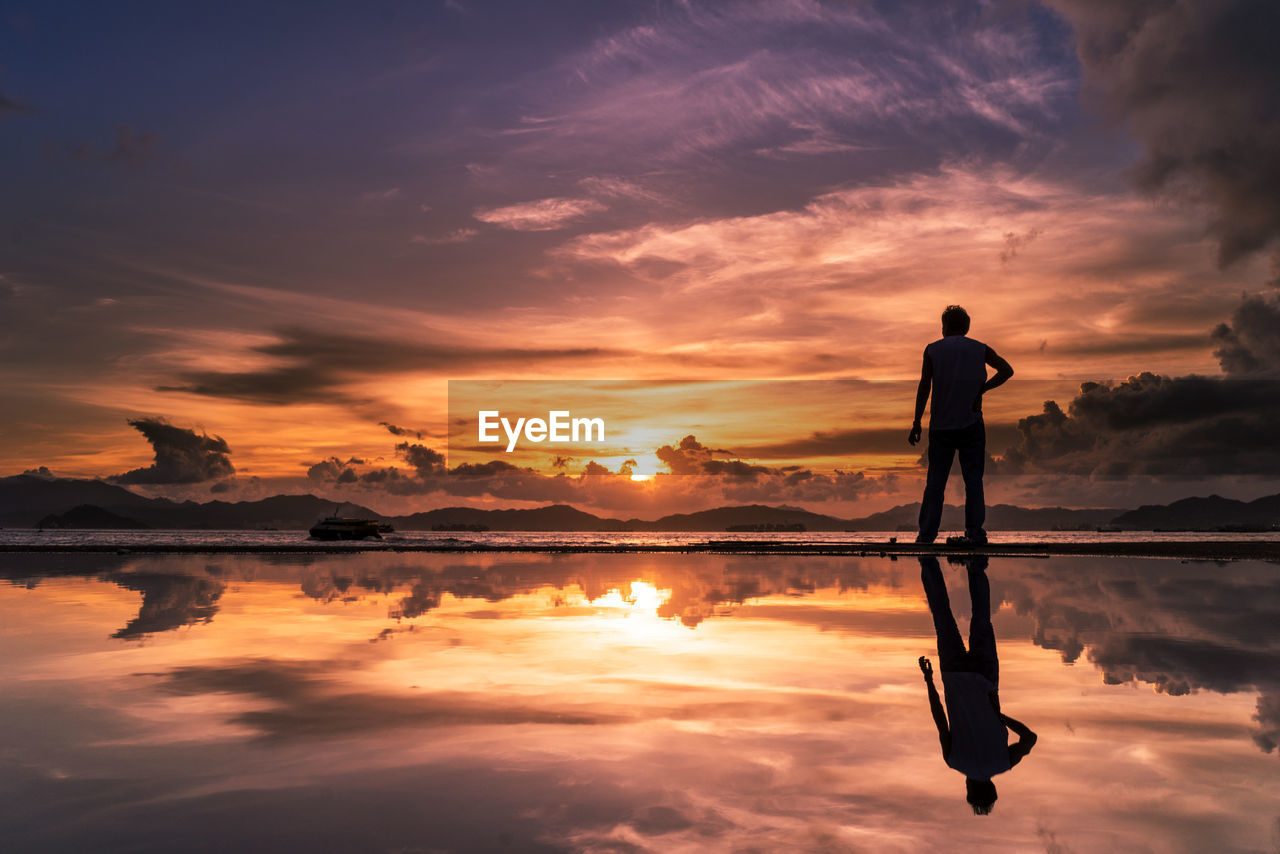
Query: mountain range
{"x": 29, "y": 501}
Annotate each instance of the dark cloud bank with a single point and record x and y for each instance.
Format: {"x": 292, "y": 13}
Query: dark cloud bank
{"x": 1179, "y": 628}
{"x": 315, "y": 366}
{"x": 1197, "y": 82}
{"x": 1158, "y": 425}
{"x": 715, "y": 473}
{"x": 169, "y": 601}
{"x": 182, "y": 455}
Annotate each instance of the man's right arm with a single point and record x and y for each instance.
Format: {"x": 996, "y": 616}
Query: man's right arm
{"x": 922, "y": 397}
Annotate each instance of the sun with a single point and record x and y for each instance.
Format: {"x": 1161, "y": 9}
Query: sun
{"x": 637, "y": 476}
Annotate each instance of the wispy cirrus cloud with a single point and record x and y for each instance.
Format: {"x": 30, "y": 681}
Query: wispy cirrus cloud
{"x": 888, "y": 256}
{"x": 613, "y": 187}
{"x": 540, "y": 215}
{"x": 797, "y": 78}
{"x": 373, "y": 197}
{"x": 458, "y": 235}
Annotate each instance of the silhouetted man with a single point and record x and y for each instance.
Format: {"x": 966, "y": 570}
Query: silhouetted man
{"x": 955, "y": 368}
{"x": 973, "y": 731}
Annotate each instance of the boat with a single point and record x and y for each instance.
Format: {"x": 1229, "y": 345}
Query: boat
{"x": 345, "y": 528}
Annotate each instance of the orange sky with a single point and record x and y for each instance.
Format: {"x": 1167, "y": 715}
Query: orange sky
{"x": 773, "y": 191}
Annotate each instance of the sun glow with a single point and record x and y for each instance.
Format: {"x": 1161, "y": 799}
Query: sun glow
{"x": 635, "y": 614}
{"x": 644, "y": 599}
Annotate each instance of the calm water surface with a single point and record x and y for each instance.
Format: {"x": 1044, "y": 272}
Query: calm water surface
{"x": 195, "y": 539}
{"x": 643, "y": 702}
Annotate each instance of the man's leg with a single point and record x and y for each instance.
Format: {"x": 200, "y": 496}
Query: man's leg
{"x": 982, "y": 635}
{"x": 972, "y": 449}
{"x": 941, "y": 452}
{"x": 950, "y": 643}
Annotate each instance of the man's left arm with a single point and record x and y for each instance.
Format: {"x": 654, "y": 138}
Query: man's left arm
{"x": 935, "y": 707}
{"x": 1003, "y": 371}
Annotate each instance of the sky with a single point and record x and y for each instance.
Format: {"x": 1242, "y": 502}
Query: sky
{"x": 245, "y": 247}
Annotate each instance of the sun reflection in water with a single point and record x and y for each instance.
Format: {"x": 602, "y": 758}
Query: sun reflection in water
{"x": 635, "y": 614}
{"x": 643, "y": 601}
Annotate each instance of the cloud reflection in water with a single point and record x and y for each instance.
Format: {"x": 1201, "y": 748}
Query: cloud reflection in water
{"x": 618, "y": 702}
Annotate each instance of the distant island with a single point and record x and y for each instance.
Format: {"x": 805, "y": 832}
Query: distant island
{"x": 28, "y": 501}
{"x": 90, "y": 516}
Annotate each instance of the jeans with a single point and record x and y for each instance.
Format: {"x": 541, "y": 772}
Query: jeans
{"x": 980, "y": 657}
{"x": 971, "y": 444}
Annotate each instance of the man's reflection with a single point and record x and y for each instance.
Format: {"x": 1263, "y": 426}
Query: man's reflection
{"x": 976, "y": 740}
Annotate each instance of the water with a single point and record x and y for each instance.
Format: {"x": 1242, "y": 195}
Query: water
{"x": 622, "y": 702}
{"x": 515, "y": 539}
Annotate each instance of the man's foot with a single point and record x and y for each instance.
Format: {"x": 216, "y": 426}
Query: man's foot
{"x": 966, "y": 540}
{"x": 922, "y": 540}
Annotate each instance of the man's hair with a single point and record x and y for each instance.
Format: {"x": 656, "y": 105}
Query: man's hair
{"x": 955, "y": 319}
{"x": 981, "y": 795}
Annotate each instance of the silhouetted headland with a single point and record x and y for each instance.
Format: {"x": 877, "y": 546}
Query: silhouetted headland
{"x": 26, "y": 502}
{"x": 1184, "y": 549}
